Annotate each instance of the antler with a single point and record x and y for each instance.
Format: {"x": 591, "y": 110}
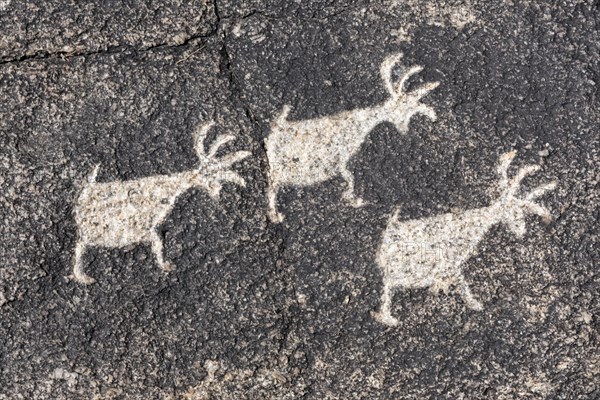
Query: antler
{"x": 510, "y": 187}
{"x": 225, "y": 161}
{"x": 540, "y": 190}
{"x": 503, "y": 164}
{"x": 218, "y": 166}
{"x": 387, "y": 68}
{"x": 200, "y": 136}
{"x": 218, "y": 143}
{"x": 515, "y": 182}
{"x": 535, "y": 208}
{"x": 398, "y": 88}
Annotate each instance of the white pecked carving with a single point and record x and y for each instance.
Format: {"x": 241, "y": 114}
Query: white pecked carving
{"x": 116, "y": 214}
{"x": 429, "y": 252}
{"x": 302, "y": 153}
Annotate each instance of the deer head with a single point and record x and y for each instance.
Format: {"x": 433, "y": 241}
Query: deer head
{"x": 212, "y": 171}
{"x": 402, "y": 105}
{"x": 512, "y": 210}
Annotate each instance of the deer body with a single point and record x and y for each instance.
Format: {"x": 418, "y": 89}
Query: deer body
{"x": 130, "y": 210}
{"x": 421, "y": 253}
{"x": 306, "y": 152}
{"x": 117, "y": 214}
{"x": 430, "y": 252}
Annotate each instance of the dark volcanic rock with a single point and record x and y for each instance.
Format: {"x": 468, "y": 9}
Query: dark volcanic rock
{"x": 260, "y": 310}
{"x": 39, "y": 29}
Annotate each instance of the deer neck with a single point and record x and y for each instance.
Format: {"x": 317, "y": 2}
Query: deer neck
{"x": 370, "y": 117}
{"x": 482, "y": 219}
{"x": 177, "y": 183}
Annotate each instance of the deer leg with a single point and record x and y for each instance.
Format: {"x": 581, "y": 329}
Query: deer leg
{"x": 440, "y": 285}
{"x": 348, "y": 194}
{"x": 158, "y": 249}
{"x": 426, "y": 111}
{"x": 385, "y": 313}
{"x": 78, "y": 273}
{"x": 275, "y": 216}
{"x": 467, "y": 296}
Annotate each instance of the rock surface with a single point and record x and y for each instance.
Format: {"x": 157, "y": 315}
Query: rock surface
{"x": 258, "y": 310}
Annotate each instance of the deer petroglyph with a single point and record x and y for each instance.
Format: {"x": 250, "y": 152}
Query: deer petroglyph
{"x": 302, "y": 153}
{"x": 429, "y": 252}
{"x": 116, "y": 214}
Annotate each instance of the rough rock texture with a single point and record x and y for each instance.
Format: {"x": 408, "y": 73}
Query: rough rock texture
{"x": 259, "y": 310}
{"x": 42, "y": 28}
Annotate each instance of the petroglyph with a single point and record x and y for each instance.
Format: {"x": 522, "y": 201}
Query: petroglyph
{"x": 302, "y": 153}
{"x": 116, "y": 214}
{"x": 429, "y": 252}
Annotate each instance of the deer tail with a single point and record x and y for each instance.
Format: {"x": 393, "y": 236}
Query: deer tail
{"x": 91, "y": 178}
{"x": 284, "y": 113}
{"x": 396, "y": 213}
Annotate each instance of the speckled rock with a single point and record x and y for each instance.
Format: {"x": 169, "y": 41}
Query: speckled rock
{"x": 260, "y": 310}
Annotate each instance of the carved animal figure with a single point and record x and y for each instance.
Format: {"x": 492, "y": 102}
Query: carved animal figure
{"x": 302, "y": 153}
{"x": 116, "y": 214}
{"x": 429, "y": 252}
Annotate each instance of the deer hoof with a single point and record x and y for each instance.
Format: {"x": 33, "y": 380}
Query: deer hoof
{"x": 385, "y": 319}
{"x": 85, "y": 279}
{"x": 275, "y": 217}
{"x": 354, "y": 201}
{"x": 359, "y": 203}
{"x": 475, "y": 305}
{"x": 438, "y": 287}
{"x": 167, "y": 266}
